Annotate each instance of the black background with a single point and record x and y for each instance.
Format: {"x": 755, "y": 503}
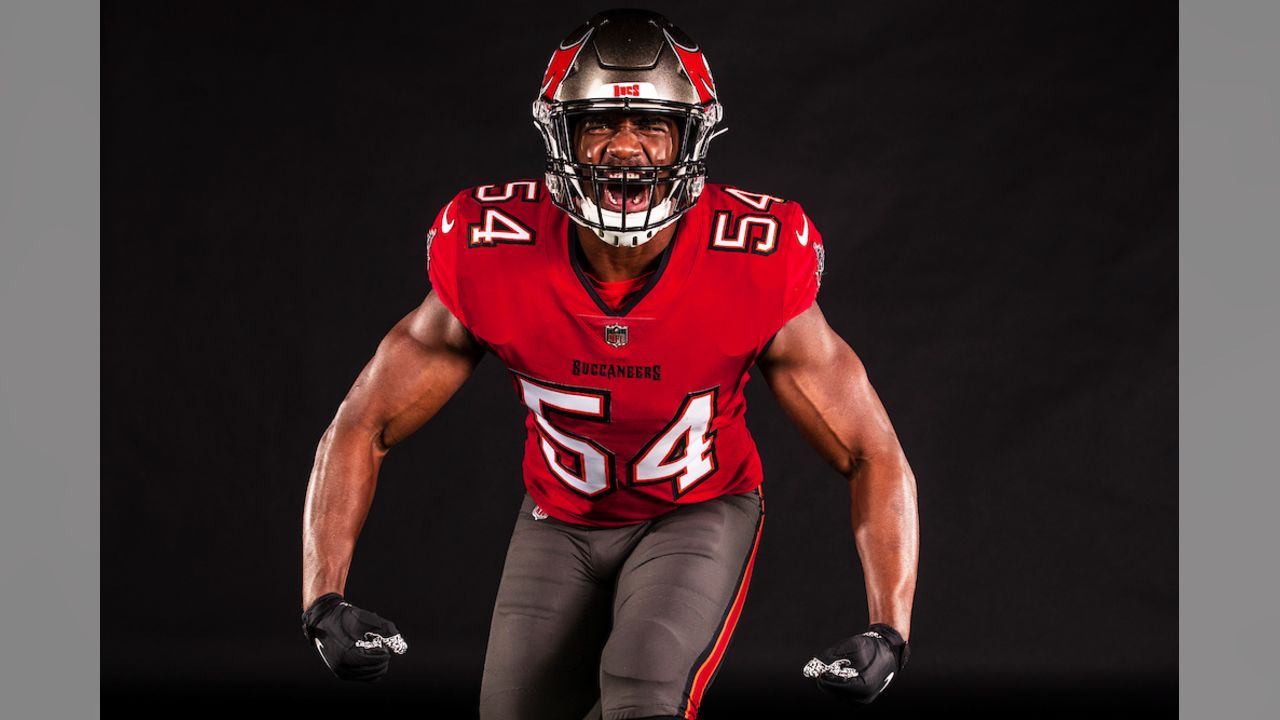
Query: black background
{"x": 996, "y": 186}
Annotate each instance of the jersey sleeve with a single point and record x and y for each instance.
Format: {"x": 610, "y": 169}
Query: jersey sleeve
{"x": 442, "y": 256}
{"x": 805, "y": 259}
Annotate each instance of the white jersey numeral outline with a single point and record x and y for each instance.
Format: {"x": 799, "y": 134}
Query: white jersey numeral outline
{"x": 766, "y": 240}
{"x": 659, "y": 461}
{"x": 759, "y": 201}
{"x": 528, "y": 192}
{"x": 682, "y": 453}
{"x": 593, "y": 475}
{"x": 496, "y": 226}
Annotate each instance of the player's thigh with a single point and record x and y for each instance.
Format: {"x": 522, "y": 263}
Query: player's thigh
{"x": 549, "y": 622}
{"x": 677, "y": 602}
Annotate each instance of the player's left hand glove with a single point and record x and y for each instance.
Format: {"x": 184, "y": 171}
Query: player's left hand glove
{"x": 862, "y": 666}
{"x": 355, "y": 644}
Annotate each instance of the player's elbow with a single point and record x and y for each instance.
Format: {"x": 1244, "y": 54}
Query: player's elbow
{"x": 883, "y": 457}
{"x": 352, "y": 428}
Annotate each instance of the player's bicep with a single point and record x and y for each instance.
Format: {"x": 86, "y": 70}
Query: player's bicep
{"x": 419, "y": 365}
{"x": 823, "y": 387}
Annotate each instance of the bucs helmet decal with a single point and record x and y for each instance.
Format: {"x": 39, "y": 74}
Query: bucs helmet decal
{"x": 561, "y": 62}
{"x": 696, "y": 68}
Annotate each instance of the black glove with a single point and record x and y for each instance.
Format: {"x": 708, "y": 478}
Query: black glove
{"x": 860, "y": 667}
{"x": 355, "y": 644}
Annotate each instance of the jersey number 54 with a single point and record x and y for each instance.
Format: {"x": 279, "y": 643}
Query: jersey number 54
{"x": 682, "y": 453}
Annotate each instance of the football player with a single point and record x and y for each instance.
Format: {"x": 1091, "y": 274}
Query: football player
{"x": 629, "y": 299}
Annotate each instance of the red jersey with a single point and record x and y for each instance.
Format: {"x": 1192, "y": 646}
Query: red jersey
{"x": 638, "y": 409}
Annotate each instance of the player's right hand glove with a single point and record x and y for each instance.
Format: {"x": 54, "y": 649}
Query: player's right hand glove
{"x": 355, "y": 644}
{"x": 860, "y": 667}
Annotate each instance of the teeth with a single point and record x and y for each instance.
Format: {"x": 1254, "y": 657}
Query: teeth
{"x": 615, "y": 198}
{"x": 618, "y": 175}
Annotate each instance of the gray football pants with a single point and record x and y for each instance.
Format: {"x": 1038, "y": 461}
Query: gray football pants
{"x": 617, "y": 623}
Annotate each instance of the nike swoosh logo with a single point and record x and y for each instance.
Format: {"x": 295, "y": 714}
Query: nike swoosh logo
{"x": 320, "y": 647}
{"x": 446, "y": 224}
{"x": 886, "y": 682}
{"x": 803, "y": 237}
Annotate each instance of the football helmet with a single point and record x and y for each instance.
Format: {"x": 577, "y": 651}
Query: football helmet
{"x": 635, "y": 62}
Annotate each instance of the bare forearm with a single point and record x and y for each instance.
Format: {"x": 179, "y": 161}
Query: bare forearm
{"x": 420, "y": 363}
{"x": 887, "y": 532}
{"x": 338, "y": 498}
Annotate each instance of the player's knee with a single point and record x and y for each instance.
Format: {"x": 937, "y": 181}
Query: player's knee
{"x": 647, "y": 650}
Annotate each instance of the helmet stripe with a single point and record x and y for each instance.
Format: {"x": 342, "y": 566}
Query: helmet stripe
{"x": 559, "y": 66}
{"x": 695, "y": 68}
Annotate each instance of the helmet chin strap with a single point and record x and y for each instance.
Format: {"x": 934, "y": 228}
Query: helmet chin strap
{"x": 611, "y": 235}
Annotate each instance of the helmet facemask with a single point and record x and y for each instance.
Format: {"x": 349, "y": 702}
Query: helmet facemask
{"x": 603, "y": 196}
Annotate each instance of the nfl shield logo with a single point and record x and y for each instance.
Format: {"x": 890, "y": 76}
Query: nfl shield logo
{"x": 615, "y": 335}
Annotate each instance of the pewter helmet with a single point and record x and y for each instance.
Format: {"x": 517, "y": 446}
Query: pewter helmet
{"x": 637, "y": 62}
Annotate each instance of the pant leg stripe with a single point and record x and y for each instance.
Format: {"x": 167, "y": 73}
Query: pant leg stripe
{"x": 701, "y": 678}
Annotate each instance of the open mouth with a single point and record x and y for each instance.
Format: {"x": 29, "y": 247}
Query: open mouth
{"x": 635, "y": 197}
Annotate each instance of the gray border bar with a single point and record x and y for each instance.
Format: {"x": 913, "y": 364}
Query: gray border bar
{"x": 1230, "y": 259}
{"x": 49, "y": 351}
